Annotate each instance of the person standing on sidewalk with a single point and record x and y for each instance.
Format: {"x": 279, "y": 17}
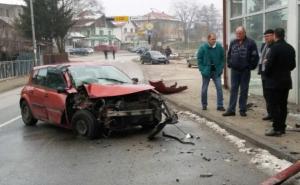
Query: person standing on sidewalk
{"x": 168, "y": 52}
{"x": 265, "y": 49}
{"x": 242, "y": 58}
{"x": 279, "y": 64}
{"x": 210, "y": 58}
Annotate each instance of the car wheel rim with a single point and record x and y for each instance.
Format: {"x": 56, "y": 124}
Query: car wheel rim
{"x": 81, "y": 127}
{"x": 25, "y": 112}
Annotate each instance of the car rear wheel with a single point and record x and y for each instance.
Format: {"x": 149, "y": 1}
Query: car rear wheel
{"x": 85, "y": 124}
{"x": 189, "y": 65}
{"x": 26, "y": 113}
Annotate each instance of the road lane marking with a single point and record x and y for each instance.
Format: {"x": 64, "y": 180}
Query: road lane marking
{"x": 10, "y": 121}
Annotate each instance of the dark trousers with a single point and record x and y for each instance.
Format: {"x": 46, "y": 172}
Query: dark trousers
{"x": 278, "y": 104}
{"x": 267, "y": 94}
{"x": 239, "y": 80}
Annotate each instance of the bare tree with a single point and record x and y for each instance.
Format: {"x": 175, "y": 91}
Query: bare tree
{"x": 210, "y": 16}
{"x": 95, "y": 6}
{"x": 186, "y": 11}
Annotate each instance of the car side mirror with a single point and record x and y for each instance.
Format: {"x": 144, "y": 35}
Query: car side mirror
{"x": 135, "y": 80}
{"x": 61, "y": 90}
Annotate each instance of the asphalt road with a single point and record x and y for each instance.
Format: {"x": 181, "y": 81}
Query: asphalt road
{"x": 46, "y": 155}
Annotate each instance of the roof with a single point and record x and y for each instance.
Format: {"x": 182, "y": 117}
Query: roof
{"x": 75, "y": 35}
{"x": 158, "y": 16}
{"x": 13, "y": 2}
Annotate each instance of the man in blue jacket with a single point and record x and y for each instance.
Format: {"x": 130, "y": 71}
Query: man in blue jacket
{"x": 242, "y": 58}
{"x": 210, "y": 58}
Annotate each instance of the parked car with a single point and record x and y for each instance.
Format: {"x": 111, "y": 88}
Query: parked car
{"x": 192, "y": 60}
{"x": 154, "y": 57}
{"x": 91, "y": 99}
{"x": 79, "y": 51}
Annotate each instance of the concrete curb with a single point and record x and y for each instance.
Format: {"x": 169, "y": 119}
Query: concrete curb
{"x": 258, "y": 141}
{"x": 12, "y": 83}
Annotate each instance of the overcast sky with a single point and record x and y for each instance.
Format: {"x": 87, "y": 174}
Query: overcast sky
{"x": 141, "y": 7}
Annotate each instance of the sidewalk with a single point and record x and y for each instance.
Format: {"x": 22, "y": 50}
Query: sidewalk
{"x": 251, "y": 128}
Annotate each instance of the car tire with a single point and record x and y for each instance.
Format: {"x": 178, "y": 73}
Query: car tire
{"x": 157, "y": 117}
{"x": 26, "y": 113}
{"x": 85, "y": 124}
{"x": 142, "y": 61}
{"x": 189, "y": 65}
{"x": 152, "y": 62}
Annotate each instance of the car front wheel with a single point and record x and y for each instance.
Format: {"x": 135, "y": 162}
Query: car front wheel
{"x": 85, "y": 124}
{"x": 26, "y": 113}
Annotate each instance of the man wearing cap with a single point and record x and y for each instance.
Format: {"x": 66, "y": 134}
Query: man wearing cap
{"x": 265, "y": 49}
{"x": 278, "y": 66}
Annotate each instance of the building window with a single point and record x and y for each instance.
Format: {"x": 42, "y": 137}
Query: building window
{"x": 101, "y": 32}
{"x": 233, "y": 25}
{"x": 109, "y": 32}
{"x": 236, "y": 7}
{"x": 131, "y": 30}
{"x": 276, "y": 3}
{"x": 125, "y": 30}
{"x": 254, "y": 6}
{"x": 254, "y": 26}
{"x": 276, "y": 19}
{"x": 7, "y": 13}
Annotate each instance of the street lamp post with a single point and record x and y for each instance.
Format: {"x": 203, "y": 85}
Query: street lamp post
{"x": 33, "y": 34}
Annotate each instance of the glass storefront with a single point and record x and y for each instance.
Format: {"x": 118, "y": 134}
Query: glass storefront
{"x": 275, "y": 3}
{"x": 254, "y": 6}
{"x": 276, "y": 19}
{"x": 254, "y": 25}
{"x": 257, "y": 16}
{"x": 236, "y": 7}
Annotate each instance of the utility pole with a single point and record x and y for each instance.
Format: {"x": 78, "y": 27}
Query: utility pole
{"x": 33, "y": 34}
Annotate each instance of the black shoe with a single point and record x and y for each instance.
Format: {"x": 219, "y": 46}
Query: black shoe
{"x": 275, "y": 133}
{"x": 204, "y": 108}
{"x": 267, "y": 118}
{"x": 220, "y": 109}
{"x": 229, "y": 114}
{"x": 243, "y": 114}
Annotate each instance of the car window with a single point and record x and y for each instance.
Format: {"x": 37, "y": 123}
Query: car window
{"x": 98, "y": 74}
{"x": 39, "y": 77}
{"x": 55, "y": 79}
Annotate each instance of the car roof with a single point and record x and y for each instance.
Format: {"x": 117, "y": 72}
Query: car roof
{"x": 70, "y": 64}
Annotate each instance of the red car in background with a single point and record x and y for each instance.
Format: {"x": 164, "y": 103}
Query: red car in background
{"x": 92, "y": 99}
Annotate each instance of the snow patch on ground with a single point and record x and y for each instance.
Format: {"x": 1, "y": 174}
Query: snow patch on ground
{"x": 259, "y": 157}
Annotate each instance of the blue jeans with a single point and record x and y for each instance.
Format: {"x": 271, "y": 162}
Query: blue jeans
{"x": 239, "y": 80}
{"x": 218, "y": 84}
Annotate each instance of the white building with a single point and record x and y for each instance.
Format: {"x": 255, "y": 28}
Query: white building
{"x": 259, "y": 15}
{"x": 126, "y": 32}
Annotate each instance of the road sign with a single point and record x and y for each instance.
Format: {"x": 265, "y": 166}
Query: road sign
{"x": 121, "y": 18}
{"x": 149, "y": 26}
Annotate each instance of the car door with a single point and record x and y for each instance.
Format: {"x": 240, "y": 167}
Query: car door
{"x": 55, "y": 96}
{"x": 36, "y": 94}
{"x": 147, "y": 57}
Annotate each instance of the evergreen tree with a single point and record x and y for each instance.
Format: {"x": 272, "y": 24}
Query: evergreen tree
{"x": 52, "y": 18}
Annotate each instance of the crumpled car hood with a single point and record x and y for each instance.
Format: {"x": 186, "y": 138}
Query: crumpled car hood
{"x": 99, "y": 91}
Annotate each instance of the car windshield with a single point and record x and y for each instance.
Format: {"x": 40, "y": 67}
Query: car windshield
{"x": 98, "y": 74}
{"x": 155, "y": 53}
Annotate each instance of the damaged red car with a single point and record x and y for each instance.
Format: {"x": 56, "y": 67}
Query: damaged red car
{"x": 92, "y": 99}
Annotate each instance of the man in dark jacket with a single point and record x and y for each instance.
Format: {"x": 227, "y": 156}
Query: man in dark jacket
{"x": 265, "y": 49}
{"x": 279, "y": 64}
{"x": 168, "y": 52}
{"x": 242, "y": 58}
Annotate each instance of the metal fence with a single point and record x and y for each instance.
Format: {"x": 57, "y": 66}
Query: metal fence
{"x": 16, "y": 68}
